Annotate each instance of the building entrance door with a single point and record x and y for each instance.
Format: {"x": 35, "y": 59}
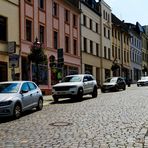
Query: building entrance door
{"x": 3, "y": 71}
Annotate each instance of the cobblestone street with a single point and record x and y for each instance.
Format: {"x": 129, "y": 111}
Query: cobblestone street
{"x": 113, "y": 120}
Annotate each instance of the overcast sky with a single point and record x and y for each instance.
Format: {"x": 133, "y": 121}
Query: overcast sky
{"x": 131, "y": 11}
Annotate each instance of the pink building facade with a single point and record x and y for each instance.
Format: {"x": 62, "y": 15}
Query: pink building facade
{"x": 56, "y": 24}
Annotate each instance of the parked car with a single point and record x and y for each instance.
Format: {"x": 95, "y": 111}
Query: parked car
{"x": 75, "y": 86}
{"x": 19, "y": 96}
{"x": 143, "y": 81}
{"x": 113, "y": 84}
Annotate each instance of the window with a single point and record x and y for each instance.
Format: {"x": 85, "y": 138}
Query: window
{"x": 119, "y": 36}
{"x": 96, "y": 27}
{"x": 115, "y": 33}
{"x": 41, "y": 4}
{"x": 90, "y": 24}
{"x": 104, "y": 32}
{"x": 124, "y": 56}
{"x": 74, "y": 20}
{"x": 41, "y": 34}
{"x": 67, "y": 16}
{"x": 75, "y": 47}
{"x": 84, "y": 20}
{"x": 85, "y": 44}
{"x": 55, "y": 9}
{"x": 109, "y": 57}
{"x": 32, "y": 86}
{"x": 113, "y": 52}
{"x": 55, "y": 36}
{"x": 104, "y": 14}
{"x": 112, "y": 32}
{"x": 91, "y": 47}
{"x": 97, "y": 49}
{"x": 88, "y": 69}
{"x": 108, "y": 34}
{"x": 119, "y": 53}
{"x": 67, "y": 44}
{"x": 105, "y": 54}
{"x": 128, "y": 57}
{"x": 25, "y": 87}
{"x": 3, "y": 28}
{"x": 28, "y": 30}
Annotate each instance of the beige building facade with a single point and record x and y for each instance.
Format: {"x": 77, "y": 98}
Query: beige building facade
{"x": 9, "y": 40}
{"x": 90, "y": 38}
{"x": 106, "y": 41}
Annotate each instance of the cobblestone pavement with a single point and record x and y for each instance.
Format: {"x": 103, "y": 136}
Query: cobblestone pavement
{"x": 113, "y": 120}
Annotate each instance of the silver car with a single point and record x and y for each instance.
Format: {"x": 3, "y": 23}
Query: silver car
{"x": 75, "y": 86}
{"x": 19, "y": 96}
{"x": 143, "y": 81}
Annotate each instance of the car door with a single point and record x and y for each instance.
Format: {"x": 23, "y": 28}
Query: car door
{"x": 34, "y": 92}
{"x": 26, "y": 96}
{"x": 85, "y": 84}
{"x": 90, "y": 84}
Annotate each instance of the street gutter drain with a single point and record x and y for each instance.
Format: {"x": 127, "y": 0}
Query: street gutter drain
{"x": 60, "y": 124}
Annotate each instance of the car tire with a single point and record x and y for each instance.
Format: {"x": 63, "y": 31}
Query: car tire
{"x": 17, "y": 111}
{"x": 137, "y": 85}
{"x": 102, "y": 90}
{"x": 55, "y": 98}
{"x": 40, "y": 104}
{"x": 95, "y": 92}
{"x": 80, "y": 94}
{"x": 124, "y": 87}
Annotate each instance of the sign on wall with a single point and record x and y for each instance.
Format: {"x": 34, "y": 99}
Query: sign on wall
{"x": 13, "y": 60}
{"x": 11, "y": 47}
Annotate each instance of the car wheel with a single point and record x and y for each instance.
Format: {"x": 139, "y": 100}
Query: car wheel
{"x": 17, "y": 111}
{"x": 95, "y": 92}
{"x": 102, "y": 90}
{"x": 80, "y": 94}
{"x": 55, "y": 98}
{"x": 138, "y": 85}
{"x": 40, "y": 104}
{"x": 124, "y": 87}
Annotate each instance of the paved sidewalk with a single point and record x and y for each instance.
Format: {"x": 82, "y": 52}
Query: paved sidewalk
{"x": 47, "y": 99}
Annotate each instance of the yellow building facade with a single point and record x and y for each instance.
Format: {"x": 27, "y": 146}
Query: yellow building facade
{"x": 120, "y": 48}
{"x": 9, "y": 40}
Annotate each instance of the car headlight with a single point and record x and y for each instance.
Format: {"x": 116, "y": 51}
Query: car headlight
{"x": 5, "y": 103}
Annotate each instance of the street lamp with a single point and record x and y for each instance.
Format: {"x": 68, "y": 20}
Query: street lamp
{"x": 37, "y": 56}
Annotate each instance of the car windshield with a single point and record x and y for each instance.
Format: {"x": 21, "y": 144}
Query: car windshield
{"x": 72, "y": 79}
{"x": 111, "y": 80}
{"x": 9, "y": 87}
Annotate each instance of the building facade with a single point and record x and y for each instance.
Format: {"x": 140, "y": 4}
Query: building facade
{"x": 120, "y": 48}
{"x": 135, "y": 50}
{"x": 9, "y": 40}
{"x": 144, "y": 54}
{"x": 106, "y": 41}
{"x": 56, "y": 24}
{"x": 91, "y": 38}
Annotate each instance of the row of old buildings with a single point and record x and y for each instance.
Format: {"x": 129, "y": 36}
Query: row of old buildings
{"x": 93, "y": 40}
